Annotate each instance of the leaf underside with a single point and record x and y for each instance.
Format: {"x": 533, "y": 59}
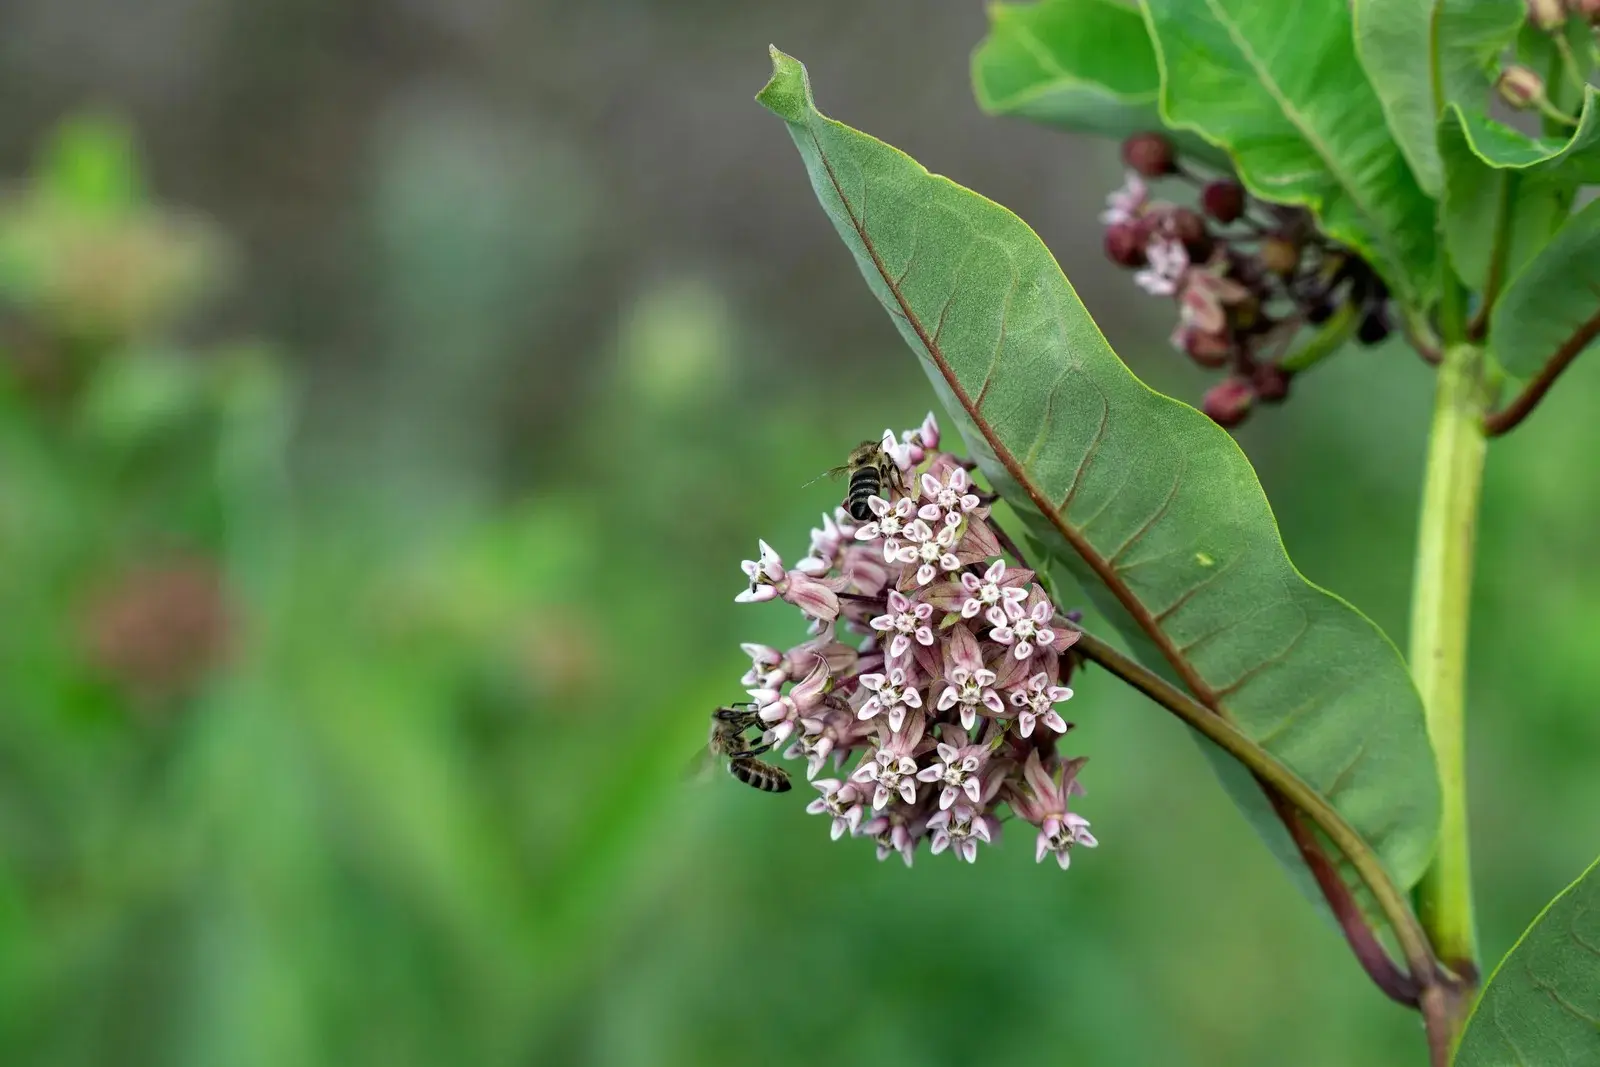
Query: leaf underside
{"x": 1151, "y": 505}
{"x": 1542, "y": 1004}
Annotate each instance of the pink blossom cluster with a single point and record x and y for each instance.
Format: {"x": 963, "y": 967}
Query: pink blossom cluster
{"x": 1246, "y": 275}
{"x": 933, "y": 674}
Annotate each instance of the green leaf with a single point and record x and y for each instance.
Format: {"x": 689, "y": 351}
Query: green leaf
{"x": 1506, "y": 189}
{"x": 1084, "y": 65}
{"x": 90, "y": 163}
{"x": 1279, "y": 87}
{"x": 1077, "y": 64}
{"x": 1389, "y": 36}
{"x": 1542, "y": 1004}
{"x": 1149, "y": 503}
{"x": 1460, "y": 39}
{"x": 1468, "y": 37}
{"x": 1576, "y": 156}
{"x": 1554, "y": 302}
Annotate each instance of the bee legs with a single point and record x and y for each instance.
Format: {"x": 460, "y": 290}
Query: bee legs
{"x": 757, "y": 751}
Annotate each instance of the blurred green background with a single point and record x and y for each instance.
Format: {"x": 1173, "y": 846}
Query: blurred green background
{"x": 389, "y": 393}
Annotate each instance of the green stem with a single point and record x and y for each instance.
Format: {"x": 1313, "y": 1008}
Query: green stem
{"x": 1281, "y": 781}
{"x": 1439, "y": 611}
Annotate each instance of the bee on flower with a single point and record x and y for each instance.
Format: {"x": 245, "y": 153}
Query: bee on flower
{"x": 934, "y": 667}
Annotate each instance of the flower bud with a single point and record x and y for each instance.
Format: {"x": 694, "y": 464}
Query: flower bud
{"x": 1149, "y": 155}
{"x": 1271, "y": 383}
{"x": 1547, "y": 15}
{"x": 1229, "y": 402}
{"x": 1520, "y": 87}
{"x": 1585, "y": 9}
{"x": 1209, "y": 350}
{"x": 1223, "y": 199}
{"x": 1124, "y": 244}
{"x": 1319, "y": 311}
{"x": 1280, "y": 255}
{"x": 1374, "y": 326}
{"x": 1189, "y": 228}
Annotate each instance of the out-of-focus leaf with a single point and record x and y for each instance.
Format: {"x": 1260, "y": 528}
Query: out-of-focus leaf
{"x": 1542, "y": 1004}
{"x": 1151, "y": 505}
{"x": 90, "y": 164}
{"x": 1278, "y": 85}
{"x": 1554, "y": 302}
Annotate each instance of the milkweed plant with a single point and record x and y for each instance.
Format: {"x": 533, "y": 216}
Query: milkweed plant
{"x": 1299, "y": 178}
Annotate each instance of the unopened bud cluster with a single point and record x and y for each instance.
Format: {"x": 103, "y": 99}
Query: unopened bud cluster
{"x": 933, "y": 674}
{"x": 1246, "y": 275}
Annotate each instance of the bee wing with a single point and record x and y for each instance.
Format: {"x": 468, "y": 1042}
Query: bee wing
{"x": 701, "y": 768}
{"x": 831, "y": 472}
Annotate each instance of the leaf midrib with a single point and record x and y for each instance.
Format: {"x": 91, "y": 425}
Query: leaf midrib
{"x": 1380, "y": 232}
{"x": 1202, "y": 691}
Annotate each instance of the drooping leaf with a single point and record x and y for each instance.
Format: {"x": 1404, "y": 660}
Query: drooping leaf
{"x": 1150, "y": 504}
{"x": 1498, "y": 145}
{"x": 1074, "y": 64}
{"x": 1278, "y": 85}
{"x": 1542, "y": 1004}
{"x": 1554, "y": 302}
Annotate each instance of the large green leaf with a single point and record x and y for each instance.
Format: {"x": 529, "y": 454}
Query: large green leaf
{"x": 1083, "y": 65}
{"x": 1421, "y": 54}
{"x": 1542, "y": 1004}
{"x": 1278, "y": 86}
{"x": 1554, "y": 302}
{"x": 1150, "y": 504}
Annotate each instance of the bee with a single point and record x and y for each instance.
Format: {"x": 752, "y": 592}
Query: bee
{"x": 728, "y": 726}
{"x": 871, "y": 472}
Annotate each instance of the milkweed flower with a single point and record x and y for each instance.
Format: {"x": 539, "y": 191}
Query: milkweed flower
{"x": 931, "y": 674}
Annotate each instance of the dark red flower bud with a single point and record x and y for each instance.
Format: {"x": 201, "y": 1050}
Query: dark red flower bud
{"x": 1319, "y": 311}
{"x": 1223, "y": 199}
{"x": 1229, "y": 402}
{"x": 1374, "y": 326}
{"x": 1149, "y": 154}
{"x": 1189, "y": 228}
{"x": 1210, "y": 350}
{"x": 1280, "y": 255}
{"x": 1124, "y": 244}
{"x": 1271, "y": 382}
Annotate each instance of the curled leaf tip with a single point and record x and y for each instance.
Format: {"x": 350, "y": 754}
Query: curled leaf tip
{"x": 788, "y": 93}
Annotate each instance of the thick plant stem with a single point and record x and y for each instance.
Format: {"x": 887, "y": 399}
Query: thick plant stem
{"x": 1439, "y": 612}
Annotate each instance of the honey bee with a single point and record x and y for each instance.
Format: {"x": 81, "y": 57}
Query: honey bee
{"x": 871, "y": 472}
{"x": 728, "y": 726}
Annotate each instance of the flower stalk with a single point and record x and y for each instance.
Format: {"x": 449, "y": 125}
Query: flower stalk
{"x": 1439, "y": 615}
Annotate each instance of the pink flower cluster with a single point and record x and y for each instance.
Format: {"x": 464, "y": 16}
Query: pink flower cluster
{"x": 933, "y": 670}
{"x": 1246, "y": 275}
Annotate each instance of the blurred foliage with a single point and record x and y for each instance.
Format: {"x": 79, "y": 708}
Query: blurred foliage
{"x": 364, "y": 743}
